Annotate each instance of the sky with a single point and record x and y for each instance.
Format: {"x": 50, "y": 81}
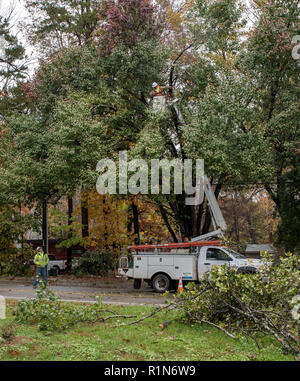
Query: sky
{"x": 17, "y": 5}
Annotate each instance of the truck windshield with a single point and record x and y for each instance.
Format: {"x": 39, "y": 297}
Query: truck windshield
{"x": 235, "y": 254}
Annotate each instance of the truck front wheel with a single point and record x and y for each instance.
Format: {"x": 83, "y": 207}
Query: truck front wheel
{"x": 161, "y": 283}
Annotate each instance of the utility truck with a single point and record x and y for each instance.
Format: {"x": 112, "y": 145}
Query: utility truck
{"x": 162, "y": 265}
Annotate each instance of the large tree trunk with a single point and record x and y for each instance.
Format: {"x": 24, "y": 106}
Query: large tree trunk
{"x": 45, "y": 226}
{"x": 167, "y": 222}
{"x": 133, "y": 222}
{"x": 136, "y": 224}
{"x": 84, "y": 216}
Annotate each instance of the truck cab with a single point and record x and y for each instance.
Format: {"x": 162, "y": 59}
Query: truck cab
{"x": 210, "y": 256}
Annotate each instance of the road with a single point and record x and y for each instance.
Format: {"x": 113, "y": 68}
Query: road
{"x": 119, "y": 292}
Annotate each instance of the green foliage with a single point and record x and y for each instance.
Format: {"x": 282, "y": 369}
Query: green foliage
{"x": 8, "y": 331}
{"x": 289, "y": 227}
{"x": 218, "y": 23}
{"x": 248, "y": 303}
{"x": 51, "y": 315}
{"x": 237, "y": 90}
{"x": 26, "y": 176}
{"x": 12, "y": 225}
{"x": 96, "y": 262}
{"x": 144, "y": 341}
{"x": 230, "y": 144}
{"x": 59, "y": 23}
{"x": 16, "y": 262}
{"x": 68, "y": 234}
{"x": 76, "y": 68}
{"x": 76, "y": 141}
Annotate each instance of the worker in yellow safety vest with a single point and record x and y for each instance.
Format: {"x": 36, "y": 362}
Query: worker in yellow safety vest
{"x": 159, "y": 96}
{"x": 158, "y": 91}
{"x": 41, "y": 261}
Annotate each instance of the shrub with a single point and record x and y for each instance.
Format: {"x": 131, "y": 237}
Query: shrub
{"x": 8, "y": 331}
{"x": 16, "y": 262}
{"x": 53, "y": 315}
{"x": 96, "y": 262}
{"x": 248, "y": 303}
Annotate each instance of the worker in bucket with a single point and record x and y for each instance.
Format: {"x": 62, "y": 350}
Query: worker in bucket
{"x": 41, "y": 261}
{"x": 159, "y": 96}
{"x": 158, "y": 91}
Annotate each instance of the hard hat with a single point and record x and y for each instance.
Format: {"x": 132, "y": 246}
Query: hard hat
{"x": 38, "y": 248}
{"x": 154, "y": 84}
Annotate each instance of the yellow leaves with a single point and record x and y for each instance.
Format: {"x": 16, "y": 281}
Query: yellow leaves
{"x": 111, "y": 221}
{"x": 261, "y": 3}
{"x": 107, "y": 221}
{"x": 174, "y": 19}
{"x": 177, "y": 16}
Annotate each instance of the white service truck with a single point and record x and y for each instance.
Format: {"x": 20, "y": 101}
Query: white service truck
{"x": 161, "y": 266}
{"x": 162, "y": 269}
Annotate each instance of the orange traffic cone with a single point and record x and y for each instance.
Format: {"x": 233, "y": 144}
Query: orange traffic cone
{"x": 180, "y": 286}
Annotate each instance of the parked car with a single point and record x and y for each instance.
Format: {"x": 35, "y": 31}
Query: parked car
{"x": 59, "y": 265}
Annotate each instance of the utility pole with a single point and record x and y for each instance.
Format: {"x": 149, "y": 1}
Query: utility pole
{"x": 45, "y": 226}
{"x": 69, "y": 249}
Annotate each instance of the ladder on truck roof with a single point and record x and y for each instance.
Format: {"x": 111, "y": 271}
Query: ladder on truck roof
{"x": 170, "y": 246}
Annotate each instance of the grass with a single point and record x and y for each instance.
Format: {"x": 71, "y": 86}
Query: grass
{"x": 144, "y": 341}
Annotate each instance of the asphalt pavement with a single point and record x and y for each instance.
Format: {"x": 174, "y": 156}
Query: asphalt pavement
{"x": 112, "y": 291}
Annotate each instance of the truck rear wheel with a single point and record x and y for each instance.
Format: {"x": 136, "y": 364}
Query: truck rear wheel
{"x": 137, "y": 284}
{"x": 161, "y": 283}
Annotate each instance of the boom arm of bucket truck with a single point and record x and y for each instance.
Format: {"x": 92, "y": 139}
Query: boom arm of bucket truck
{"x": 218, "y": 221}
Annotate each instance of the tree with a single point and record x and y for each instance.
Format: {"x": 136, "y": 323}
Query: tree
{"x": 126, "y": 23}
{"x": 12, "y": 53}
{"x": 65, "y": 24}
{"x": 239, "y": 105}
{"x": 132, "y": 56}
{"x": 275, "y": 75}
{"x": 289, "y": 211}
{"x": 233, "y": 100}
{"x": 171, "y": 134}
{"x": 59, "y": 24}
{"x": 249, "y": 215}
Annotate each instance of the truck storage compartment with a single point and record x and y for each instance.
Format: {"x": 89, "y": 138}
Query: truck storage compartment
{"x": 140, "y": 267}
{"x": 161, "y": 260}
